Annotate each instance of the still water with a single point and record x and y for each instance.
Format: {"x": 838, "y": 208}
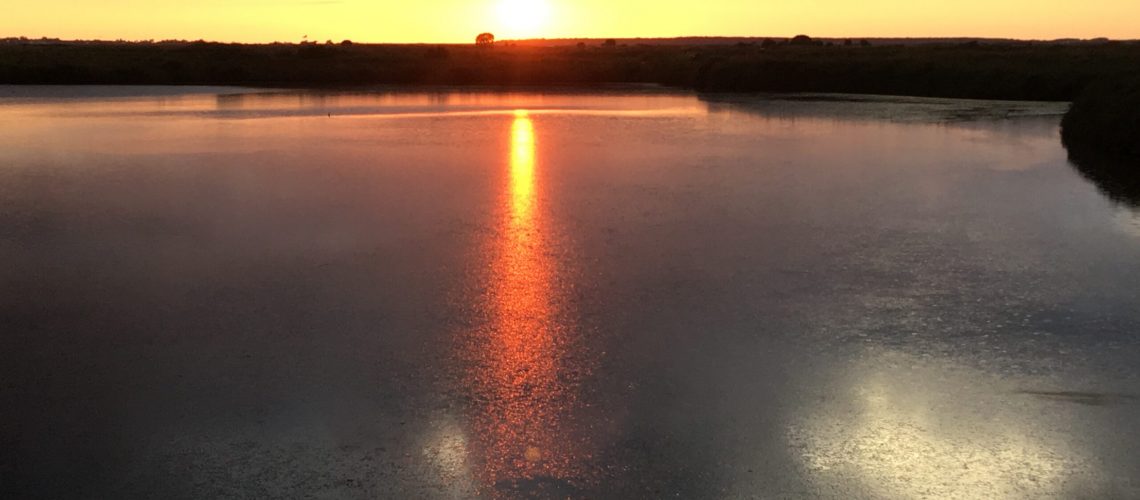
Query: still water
{"x": 221, "y": 292}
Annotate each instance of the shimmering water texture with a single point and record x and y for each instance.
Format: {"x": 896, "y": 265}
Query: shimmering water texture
{"x": 219, "y": 293}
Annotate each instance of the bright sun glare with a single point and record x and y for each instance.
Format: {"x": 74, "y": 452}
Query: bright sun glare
{"x": 523, "y": 18}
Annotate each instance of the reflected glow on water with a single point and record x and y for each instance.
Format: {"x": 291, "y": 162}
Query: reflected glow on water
{"x": 521, "y": 393}
{"x": 446, "y": 454}
{"x": 1128, "y": 221}
{"x": 901, "y": 438}
{"x": 609, "y": 295}
{"x": 522, "y": 173}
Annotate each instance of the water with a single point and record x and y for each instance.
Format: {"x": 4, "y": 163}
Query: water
{"x": 222, "y": 292}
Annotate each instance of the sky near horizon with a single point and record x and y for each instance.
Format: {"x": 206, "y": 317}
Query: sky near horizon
{"x": 458, "y": 21}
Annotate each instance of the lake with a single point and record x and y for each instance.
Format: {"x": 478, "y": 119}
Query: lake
{"x": 627, "y": 293}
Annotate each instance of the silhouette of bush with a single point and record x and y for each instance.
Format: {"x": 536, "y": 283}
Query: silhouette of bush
{"x": 1106, "y": 117}
{"x": 803, "y": 41}
{"x": 1101, "y": 132}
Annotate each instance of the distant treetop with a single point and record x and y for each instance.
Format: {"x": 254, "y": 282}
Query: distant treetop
{"x": 485, "y": 40}
{"x": 802, "y": 40}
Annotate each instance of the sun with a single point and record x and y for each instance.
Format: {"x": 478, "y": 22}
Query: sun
{"x": 523, "y": 18}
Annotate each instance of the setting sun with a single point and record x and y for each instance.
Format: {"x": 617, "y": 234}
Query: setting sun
{"x": 523, "y": 18}
{"x": 456, "y": 21}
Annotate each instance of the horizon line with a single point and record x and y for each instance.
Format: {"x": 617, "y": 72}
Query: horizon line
{"x": 557, "y": 39}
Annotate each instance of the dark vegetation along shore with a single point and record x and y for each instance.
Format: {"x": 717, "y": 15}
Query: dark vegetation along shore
{"x": 1102, "y": 134}
{"x": 1100, "y": 77}
{"x": 1056, "y": 72}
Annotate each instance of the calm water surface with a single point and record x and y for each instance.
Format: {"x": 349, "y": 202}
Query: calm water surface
{"x": 222, "y": 293}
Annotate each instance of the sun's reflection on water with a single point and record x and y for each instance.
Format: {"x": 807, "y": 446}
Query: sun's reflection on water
{"x": 522, "y": 172}
{"x": 522, "y": 392}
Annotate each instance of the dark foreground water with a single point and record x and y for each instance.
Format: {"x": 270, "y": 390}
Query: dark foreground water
{"x": 599, "y": 295}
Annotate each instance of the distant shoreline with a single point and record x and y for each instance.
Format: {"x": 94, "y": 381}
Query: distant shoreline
{"x": 969, "y": 68}
{"x": 976, "y": 70}
{"x": 1060, "y": 71}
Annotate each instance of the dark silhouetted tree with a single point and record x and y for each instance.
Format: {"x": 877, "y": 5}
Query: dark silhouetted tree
{"x": 485, "y": 40}
{"x": 802, "y": 40}
{"x": 610, "y": 43}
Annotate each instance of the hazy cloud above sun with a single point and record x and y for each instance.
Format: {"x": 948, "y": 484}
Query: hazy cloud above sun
{"x": 460, "y": 20}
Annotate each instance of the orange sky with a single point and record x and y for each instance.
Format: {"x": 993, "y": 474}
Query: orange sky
{"x": 461, "y": 20}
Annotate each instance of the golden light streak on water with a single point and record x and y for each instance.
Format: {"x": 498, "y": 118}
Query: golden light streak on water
{"x": 523, "y": 395}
